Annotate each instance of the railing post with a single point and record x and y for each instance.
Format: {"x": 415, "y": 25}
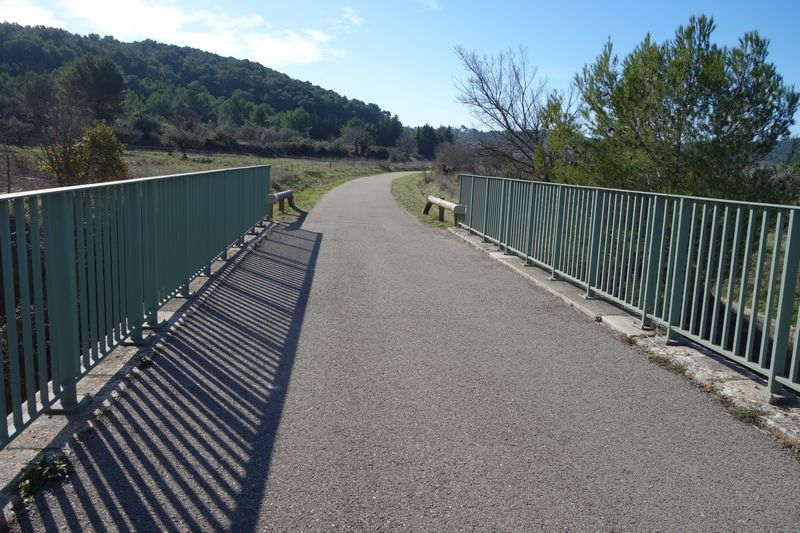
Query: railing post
{"x": 502, "y": 228}
{"x": 653, "y": 265}
{"x": 529, "y": 229}
{"x": 507, "y": 228}
{"x": 472, "y": 203}
{"x": 555, "y": 260}
{"x": 133, "y": 205}
{"x": 786, "y": 296}
{"x": 485, "y": 207}
{"x": 681, "y": 247}
{"x": 62, "y": 296}
{"x": 598, "y": 205}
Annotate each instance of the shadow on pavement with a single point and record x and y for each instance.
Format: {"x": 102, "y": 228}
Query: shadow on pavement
{"x": 189, "y": 444}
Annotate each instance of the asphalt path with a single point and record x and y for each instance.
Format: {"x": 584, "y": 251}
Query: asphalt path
{"x": 362, "y": 371}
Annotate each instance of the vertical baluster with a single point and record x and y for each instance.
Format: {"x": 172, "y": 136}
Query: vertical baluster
{"x": 707, "y": 281}
{"x": 718, "y": 282}
{"x": 21, "y": 227}
{"x": 737, "y": 331}
{"x": 685, "y": 303}
{"x": 10, "y": 301}
{"x": 679, "y": 269}
{"x": 731, "y": 272}
{"x": 763, "y": 352}
{"x": 653, "y": 262}
{"x": 786, "y": 297}
{"x": 42, "y": 369}
{"x": 701, "y": 249}
{"x": 754, "y": 310}
{"x": 83, "y": 297}
{"x": 61, "y": 285}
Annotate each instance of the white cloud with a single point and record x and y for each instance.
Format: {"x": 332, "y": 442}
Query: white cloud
{"x": 27, "y": 13}
{"x": 247, "y": 36}
{"x": 432, "y": 5}
{"x": 351, "y": 16}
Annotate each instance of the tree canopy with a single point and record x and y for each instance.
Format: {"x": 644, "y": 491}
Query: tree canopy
{"x": 175, "y": 86}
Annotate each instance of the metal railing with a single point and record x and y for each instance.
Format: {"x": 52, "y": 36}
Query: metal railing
{"x": 85, "y": 267}
{"x": 720, "y": 273}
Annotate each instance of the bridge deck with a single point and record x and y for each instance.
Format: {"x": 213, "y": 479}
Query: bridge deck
{"x": 304, "y": 393}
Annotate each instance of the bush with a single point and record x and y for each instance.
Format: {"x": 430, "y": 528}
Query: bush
{"x": 97, "y": 156}
{"x": 101, "y": 152}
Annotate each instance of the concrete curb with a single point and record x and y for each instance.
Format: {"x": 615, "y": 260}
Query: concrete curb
{"x": 738, "y": 389}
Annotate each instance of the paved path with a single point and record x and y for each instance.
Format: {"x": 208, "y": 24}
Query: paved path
{"x": 366, "y": 372}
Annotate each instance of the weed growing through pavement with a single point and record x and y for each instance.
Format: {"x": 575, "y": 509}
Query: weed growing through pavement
{"x": 45, "y": 468}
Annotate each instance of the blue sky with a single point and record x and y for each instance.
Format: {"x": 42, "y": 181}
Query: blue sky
{"x": 399, "y": 54}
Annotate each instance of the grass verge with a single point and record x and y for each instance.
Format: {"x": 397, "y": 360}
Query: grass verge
{"x": 412, "y": 192}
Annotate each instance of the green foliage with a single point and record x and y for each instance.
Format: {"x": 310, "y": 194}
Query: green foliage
{"x": 356, "y": 134}
{"x": 96, "y": 157}
{"x": 685, "y": 116}
{"x": 101, "y": 155}
{"x": 175, "y": 86}
{"x": 427, "y": 141}
{"x": 97, "y": 81}
{"x": 298, "y": 120}
{"x": 44, "y": 469}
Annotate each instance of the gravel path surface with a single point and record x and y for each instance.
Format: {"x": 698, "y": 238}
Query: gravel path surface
{"x": 366, "y": 372}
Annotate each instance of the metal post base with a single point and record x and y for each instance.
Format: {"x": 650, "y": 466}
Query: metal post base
{"x": 66, "y": 407}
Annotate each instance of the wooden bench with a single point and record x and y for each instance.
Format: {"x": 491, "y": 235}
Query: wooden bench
{"x": 457, "y": 209}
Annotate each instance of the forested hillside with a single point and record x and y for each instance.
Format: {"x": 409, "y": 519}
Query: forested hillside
{"x": 174, "y": 95}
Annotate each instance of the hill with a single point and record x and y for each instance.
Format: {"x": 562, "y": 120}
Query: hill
{"x": 236, "y": 100}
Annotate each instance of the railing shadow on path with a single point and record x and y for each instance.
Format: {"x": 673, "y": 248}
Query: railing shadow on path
{"x": 189, "y": 444}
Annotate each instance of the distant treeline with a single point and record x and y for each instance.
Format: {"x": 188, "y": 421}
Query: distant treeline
{"x": 184, "y": 97}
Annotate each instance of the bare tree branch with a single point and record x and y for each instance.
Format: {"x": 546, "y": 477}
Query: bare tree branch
{"x": 506, "y": 95}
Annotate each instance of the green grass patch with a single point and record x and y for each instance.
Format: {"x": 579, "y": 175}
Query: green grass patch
{"x": 46, "y": 468}
{"x": 412, "y": 192}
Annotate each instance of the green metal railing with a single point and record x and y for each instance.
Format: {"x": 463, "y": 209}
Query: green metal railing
{"x": 85, "y": 267}
{"x": 720, "y": 273}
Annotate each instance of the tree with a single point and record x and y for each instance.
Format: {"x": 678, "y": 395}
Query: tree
{"x": 298, "y": 120}
{"x": 505, "y": 94}
{"x": 452, "y": 157}
{"x": 406, "y": 145}
{"x": 686, "y": 116}
{"x": 235, "y": 110}
{"x": 388, "y": 130}
{"x": 96, "y": 157}
{"x": 101, "y": 155}
{"x": 356, "y": 134}
{"x": 427, "y": 141}
{"x": 175, "y": 85}
{"x": 260, "y": 115}
{"x": 59, "y": 118}
{"x": 97, "y": 81}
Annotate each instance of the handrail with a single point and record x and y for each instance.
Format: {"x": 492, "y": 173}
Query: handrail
{"x": 635, "y": 191}
{"x": 70, "y": 188}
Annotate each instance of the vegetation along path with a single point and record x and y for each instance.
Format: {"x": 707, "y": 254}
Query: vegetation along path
{"x": 362, "y": 371}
